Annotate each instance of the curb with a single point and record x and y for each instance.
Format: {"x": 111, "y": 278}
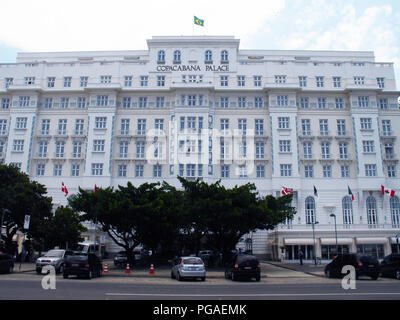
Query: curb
{"x": 293, "y": 269}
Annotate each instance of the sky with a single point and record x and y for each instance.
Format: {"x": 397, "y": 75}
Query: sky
{"x": 84, "y": 25}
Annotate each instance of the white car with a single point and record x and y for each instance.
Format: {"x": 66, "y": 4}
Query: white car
{"x": 188, "y": 267}
{"x": 53, "y": 258}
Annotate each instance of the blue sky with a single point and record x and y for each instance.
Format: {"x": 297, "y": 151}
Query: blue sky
{"x": 49, "y": 25}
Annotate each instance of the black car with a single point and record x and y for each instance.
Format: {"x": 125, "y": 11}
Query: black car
{"x": 81, "y": 264}
{"x": 243, "y": 266}
{"x": 390, "y": 266}
{"x": 365, "y": 265}
{"x": 120, "y": 259}
{"x": 6, "y": 263}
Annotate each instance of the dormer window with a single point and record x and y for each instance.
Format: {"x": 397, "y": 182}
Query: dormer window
{"x": 161, "y": 56}
{"x": 208, "y": 56}
{"x": 177, "y": 56}
{"x": 224, "y": 56}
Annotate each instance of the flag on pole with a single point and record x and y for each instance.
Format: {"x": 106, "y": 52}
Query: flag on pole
{"x": 95, "y": 189}
{"x": 315, "y": 192}
{"x": 350, "y": 193}
{"x": 64, "y": 188}
{"x": 286, "y": 191}
{"x": 390, "y": 192}
{"x": 198, "y": 21}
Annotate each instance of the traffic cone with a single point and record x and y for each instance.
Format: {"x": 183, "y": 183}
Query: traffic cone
{"x": 151, "y": 269}
{"x": 106, "y": 269}
{"x": 127, "y": 270}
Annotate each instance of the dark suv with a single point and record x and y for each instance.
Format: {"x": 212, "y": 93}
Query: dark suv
{"x": 390, "y": 266}
{"x": 243, "y": 266}
{"x": 83, "y": 264}
{"x": 364, "y": 265}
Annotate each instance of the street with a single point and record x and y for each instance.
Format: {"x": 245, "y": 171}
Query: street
{"x": 277, "y": 283}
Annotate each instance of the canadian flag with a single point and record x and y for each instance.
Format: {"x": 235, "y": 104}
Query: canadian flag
{"x": 387, "y": 191}
{"x": 286, "y": 191}
{"x": 64, "y": 188}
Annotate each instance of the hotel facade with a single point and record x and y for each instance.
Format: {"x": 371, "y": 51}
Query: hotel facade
{"x": 200, "y": 107}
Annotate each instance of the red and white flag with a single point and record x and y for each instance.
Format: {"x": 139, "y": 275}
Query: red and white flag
{"x": 389, "y": 192}
{"x": 95, "y": 189}
{"x": 64, "y": 188}
{"x": 286, "y": 191}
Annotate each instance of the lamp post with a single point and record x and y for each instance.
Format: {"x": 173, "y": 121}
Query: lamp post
{"x": 334, "y": 216}
{"x": 313, "y": 234}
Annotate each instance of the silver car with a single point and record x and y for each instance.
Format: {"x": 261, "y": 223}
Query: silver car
{"x": 53, "y": 258}
{"x": 188, "y": 267}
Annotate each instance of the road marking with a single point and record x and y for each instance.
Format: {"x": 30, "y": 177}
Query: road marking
{"x": 253, "y": 294}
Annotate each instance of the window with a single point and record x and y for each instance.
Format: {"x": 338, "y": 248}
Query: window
{"x": 304, "y": 103}
{"x": 395, "y": 211}
{"x": 257, "y": 81}
{"x": 191, "y": 100}
{"x": 29, "y": 81}
{"x": 243, "y": 149}
{"x": 368, "y": 146}
{"x": 122, "y": 170}
{"x": 306, "y": 127}
{"x": 81, "y": 102}
{"x": 144, "y": 81}
{"x": 21, "y": 123}
{"x": 8, "y": 82}
{"x": 5, "y": 103}
{"x": 161, "y": 56}
{"x": 75, "y": 170}
{"x": 370, "y": 170}
{"x": 325, "y": 150}
{"x": 141, "y": 126}
{"x": 322, "y": 103}
{"x": 343, "y": 150}
{"x": 97, "y": 169}
{"x": 60, "y": 145}
{"x": 242, "y": 172}
{"x": 126, "y": 102}
{"x": 101, "y": 122}
{"x": 57, "y": 170}
{"x": 386, "y": 128}
{"x": 260, "y": 150}
{"x": 391, "y": 171}
{"x": 157, "y": 171}
{"x": 345, "y": 171}
{"x": 50, "y": 82}
{"x": 76, "y": 149}
{"x": 307, "y": 150}
{"x": 308, "y": 171}
{"x": 223, "y": 81}
{"x": 283, "y": 123}
{"x": 224, "y": 56}
{"x": 24, "y": 101}
{"x": 366, "y": 123}
{"x": 310, "y": 210}
{"x": 128, "y": 81}
{"x": 327, "y": 171}
{"x": 284, "y": 146}
{"x": 191, "y": 123}
{"x": 42, "y": 149}
{"x": 381, "y": 82}
{"x": 83, "y": 82}
{"x": 339, "y": 104}
{"x": 224, "y": 171}
{"x": 259, "y": 127}
{"x": 383, "y": 104}
{"x": 125, "y": 126}
{"x": 363, "y": 101}
{"x": 260, "y": 171}
{"x": 3, "y": 126}
{"x": 139, "y": 170}
{"x": 177, "y": 56}
{"x": 283, "y": 101}
{"x": 208, "y": 56}
{"x": 105, "y": 79}
{"x": 102, "y": 100}
{"x": 67, "y": 82}
{"x": 1, "y": 148}
{"x": 142, "y": 102}
{"x": 224, "y": 150}
{"x": 160, "y": 102}
{"x": 372, "y": 216}
{"x": 160, "y": 81}
{"x": 241, "y": 81}
{"x": 279, "y": 79}
{"x": 64, "y": 102}
{"x": 258, "y": 102}
{"x": 347, "y": 210}
{"x": 18, "y": 145}
{"x": 389, "y": 151}
{"x": 140, "y": 150}
{"x": 123, "y": 149}
{"x": 48, "y": 103}
{"x": 242, "y": 126}
{"x": 303, "y": 81}
{"x": 224, "y": 124}
{"x": 40, "y": 169}
{"x": 45, "y": 128}
{"x": 337, "y": 82}
{"x": 320, "y": 82}
{"x": 323, "y": 127}
{"x": 62, "y": 127}
{"x": 242, "y": 102}
{"x": 359, "y": 80}
{"x": 224, "y": 102}
{"x": 341, "y": 127}
{"x": 286, "y": 170}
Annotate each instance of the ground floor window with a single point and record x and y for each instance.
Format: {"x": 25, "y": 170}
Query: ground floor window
{"x": 329, "y": 251}
{"x": 395, "y": 248}
{"x": 376, "y": 250}
{"x": 292, "y": 252}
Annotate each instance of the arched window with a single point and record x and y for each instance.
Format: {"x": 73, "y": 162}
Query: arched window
{"x": 161, "y": 56}
{"x": 372, "y": 216}
{"x": 224, "y": 56}
{"x": 310, "y": 210}
{"x": 395, "y": 211}
{"x": 208, "y": 56}
{"x": 177, "y": 56}
{"x": 347, "y": 207}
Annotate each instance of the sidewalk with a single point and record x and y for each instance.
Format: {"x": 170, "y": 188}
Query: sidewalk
{"x": 308, "y": 268}
{"x": 24, "y": 267}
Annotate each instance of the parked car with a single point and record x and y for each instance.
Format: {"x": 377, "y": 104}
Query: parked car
{"x": 207, "y": 256}
{"x": 53, "y": 258}
{"x": 188, "y": 267}
{"x": 390, "y": 266}
{"x": 120, "y": 259}
{"x": 6, "y": 263}
{"x": 365, "y": 265}
{"x": 91, "y": 247}
{"x": 243, "y": 266}
{"x": 83, "y": 264}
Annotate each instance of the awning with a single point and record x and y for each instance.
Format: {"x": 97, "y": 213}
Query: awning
{"x": 332, "y": 241}
{"x": 372, "y": 240}
{"x": 299, "y": 241}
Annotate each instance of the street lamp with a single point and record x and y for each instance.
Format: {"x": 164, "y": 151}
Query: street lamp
{"x": 334, "y": 216}
{"x": 313, "y": 234}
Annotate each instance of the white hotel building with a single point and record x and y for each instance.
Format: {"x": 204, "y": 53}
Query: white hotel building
{"x": 198, "y": 106}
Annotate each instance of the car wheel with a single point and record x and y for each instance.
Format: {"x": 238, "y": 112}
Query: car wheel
{"x": 203, "y": 279}
{"x": 178, "y": 277}
{"x": 328, "y": 273}
{"x": 11, "y": 269}
{"x": 61, "y": 269}
{"x": 65, "y": 275}
{"x": 234, "y": 276}
{"x": 397, "y": 275}
{"x": 258, "y": 278}
{"x": 172, "y": 275}
{"x": 227, "y": 275}
{"x": 90, "y": 274}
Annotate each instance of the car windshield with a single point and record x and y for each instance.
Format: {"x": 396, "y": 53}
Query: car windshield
{"x": 54, "y": 253}
{"x": 82, "y": 247}
{"x": 192, "y": 261}
{"x": 78, "y": 256}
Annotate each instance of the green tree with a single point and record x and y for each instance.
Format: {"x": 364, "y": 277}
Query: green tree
{"x": 19, "y": 196}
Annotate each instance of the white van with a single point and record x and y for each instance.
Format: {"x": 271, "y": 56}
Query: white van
{"x": 89, "y": 247}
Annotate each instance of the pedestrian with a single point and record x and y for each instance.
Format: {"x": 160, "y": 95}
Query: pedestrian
{"x": 301, "y": 257}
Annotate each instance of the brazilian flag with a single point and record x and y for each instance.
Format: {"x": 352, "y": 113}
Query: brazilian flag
{"x": 198, "y": 21}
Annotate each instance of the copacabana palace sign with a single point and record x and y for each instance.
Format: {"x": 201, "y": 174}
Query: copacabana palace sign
{"x": 195, "y": 67}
